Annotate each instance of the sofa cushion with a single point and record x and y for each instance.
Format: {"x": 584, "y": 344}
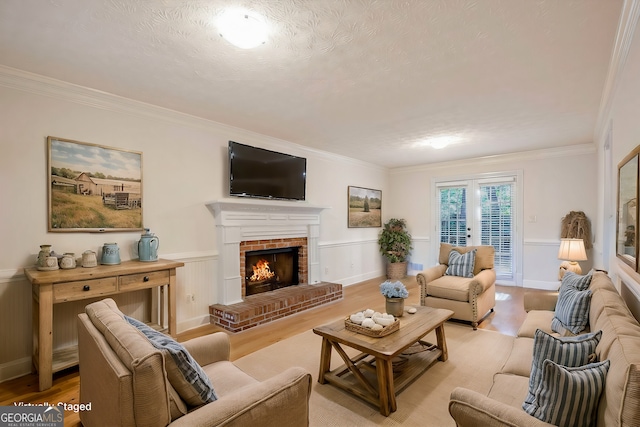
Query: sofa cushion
{"x": 569, "y": 396}
{"x": 509, "y": 389}
{"x": 536, "y": 319}
{"x": 461, "y": 264}
{"x": 567, "y": 351}
{"x": 572, "y": 311}
{"x": 484, "y": 256}
{"x": 520, "y": 359}
{"x": 184, "y": 373}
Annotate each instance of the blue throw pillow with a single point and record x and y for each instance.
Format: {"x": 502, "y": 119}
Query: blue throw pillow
{"x": 567, "y": 351}
{"x": 461, "y": 264}
{"x": 572, "y": 310}
{"x": 569, "y": 396}
{"x": 183, "y": 372}
{"x": 577, "y": 281}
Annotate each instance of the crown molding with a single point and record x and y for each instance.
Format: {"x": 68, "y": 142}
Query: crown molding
{"x": 567, "y": 151}
{"x": 45, "y": 86}
{"x": 626, "y": 28}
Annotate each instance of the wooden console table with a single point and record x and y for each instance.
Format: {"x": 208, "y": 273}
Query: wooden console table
{"x": 54, "y": 287}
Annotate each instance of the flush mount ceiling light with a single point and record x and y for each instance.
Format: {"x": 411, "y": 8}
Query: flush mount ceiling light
{"x": 439, "y": 142}
{"x": 243, "y": 29}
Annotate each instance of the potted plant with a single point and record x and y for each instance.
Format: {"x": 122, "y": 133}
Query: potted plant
{"x": 394, "y": 293}
{"x": 395, "y": 245}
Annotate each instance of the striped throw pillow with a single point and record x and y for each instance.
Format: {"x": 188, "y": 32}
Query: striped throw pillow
{"x": 577, "y": 281}
{"x": 569, "y": 396}
{"x": 183, "y": 372}
{"x": 461, "y": 264}
{"x": 572, "y": 311}
{"x": 567, "y": 351}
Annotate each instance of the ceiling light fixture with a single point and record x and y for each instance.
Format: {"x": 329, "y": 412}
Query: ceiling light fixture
{"x": 439, "y": 142}
{"x": 242, "y": 28}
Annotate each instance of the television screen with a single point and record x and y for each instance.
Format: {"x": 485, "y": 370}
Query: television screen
{"x": 256, "y": 172}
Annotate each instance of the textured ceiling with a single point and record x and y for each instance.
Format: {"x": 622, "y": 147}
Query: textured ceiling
{"x": 368, "y": 79}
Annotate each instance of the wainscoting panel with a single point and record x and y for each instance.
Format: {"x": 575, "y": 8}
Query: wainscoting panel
{"x": 197, "y": 290}
{"x": 350, "y": 262}
{"x": 15, "y": 321}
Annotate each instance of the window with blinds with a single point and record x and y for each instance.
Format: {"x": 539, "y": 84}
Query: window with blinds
{"x": 496, "y": 224}
{"x": 453, "y": 216}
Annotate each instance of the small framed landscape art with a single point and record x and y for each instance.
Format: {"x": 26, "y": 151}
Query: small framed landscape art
{"x": 364, "y": 207}
{"x": 93, "y": 188}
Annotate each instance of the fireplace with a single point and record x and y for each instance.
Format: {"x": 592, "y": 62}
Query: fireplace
{"x": 270, "y": 269}
{"x": 286, "y": 259}
{"x": 253, "y": 225}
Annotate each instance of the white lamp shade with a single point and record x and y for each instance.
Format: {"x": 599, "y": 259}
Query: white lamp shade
{"x": 572, "y": 250}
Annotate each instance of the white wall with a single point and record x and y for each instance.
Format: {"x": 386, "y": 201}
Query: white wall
{"x": 621, "y": 108}
{"x": 555, "y": 182}
{"x": 184, "y": 167}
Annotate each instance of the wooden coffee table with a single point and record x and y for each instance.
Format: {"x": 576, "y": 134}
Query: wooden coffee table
{"x": 370, "y": 375}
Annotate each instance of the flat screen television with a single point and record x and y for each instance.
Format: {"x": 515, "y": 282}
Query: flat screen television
{"x": 256, "y": 172}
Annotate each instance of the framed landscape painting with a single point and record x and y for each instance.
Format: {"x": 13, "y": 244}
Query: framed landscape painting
{"x": 93, "y": 188}
{"x": 365, "y": 206}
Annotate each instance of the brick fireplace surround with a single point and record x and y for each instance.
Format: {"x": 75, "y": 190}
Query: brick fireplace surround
{"x": 243, "y": 225}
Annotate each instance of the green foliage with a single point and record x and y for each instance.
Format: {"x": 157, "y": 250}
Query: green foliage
{"x": 395, "y": 241}
{"x": 366, "y": 203}
{"x": 64, "y": 172}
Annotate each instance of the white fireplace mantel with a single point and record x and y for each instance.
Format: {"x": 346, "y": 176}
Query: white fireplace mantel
{"x": 250, "y": 219}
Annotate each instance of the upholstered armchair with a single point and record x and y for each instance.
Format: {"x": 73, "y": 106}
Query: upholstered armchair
{"x": 471, "y": 298}
{"x": 131, "y": 382}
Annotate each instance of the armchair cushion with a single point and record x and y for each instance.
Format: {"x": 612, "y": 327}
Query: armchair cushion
{"x": 461, "y": 264}
{"x": 570, "y": 396}
{"x": 184, "y": 373}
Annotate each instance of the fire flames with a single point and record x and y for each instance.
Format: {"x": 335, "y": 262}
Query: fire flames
{"x": 261, "y": 271}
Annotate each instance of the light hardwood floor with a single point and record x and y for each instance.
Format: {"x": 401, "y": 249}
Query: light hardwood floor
{"x": 507, "y": 318}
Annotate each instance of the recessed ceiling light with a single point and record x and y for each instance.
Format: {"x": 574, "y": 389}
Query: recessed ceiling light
{"x": 242, "y": 28}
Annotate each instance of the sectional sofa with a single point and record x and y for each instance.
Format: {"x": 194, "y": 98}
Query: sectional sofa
{"x": 619, "y": 403}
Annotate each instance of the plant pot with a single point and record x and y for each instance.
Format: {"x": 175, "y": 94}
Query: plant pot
{"x": 396, "y": 270}
{"x": 395, "y": 306}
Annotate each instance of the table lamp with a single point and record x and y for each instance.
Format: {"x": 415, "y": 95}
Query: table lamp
{"x": 571, "y": 251}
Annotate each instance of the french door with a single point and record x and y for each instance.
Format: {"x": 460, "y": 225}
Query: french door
{"x": 480, "y": 212}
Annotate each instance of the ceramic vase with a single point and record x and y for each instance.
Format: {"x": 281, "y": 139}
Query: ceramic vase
{"x": 45, "y": 251}
{"x": 110, "y": 254}
{"x": 395, "y": 306}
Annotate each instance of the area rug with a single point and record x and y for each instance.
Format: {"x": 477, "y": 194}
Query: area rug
{"x": 474, "y": 356}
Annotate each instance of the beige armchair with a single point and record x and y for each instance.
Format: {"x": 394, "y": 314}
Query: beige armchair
{"x": 129, "y": 382}
{"x": 471, "y": 299}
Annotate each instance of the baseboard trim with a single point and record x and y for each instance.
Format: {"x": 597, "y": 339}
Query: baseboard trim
{"x": 194, "y": 322}
{"x": 15, "y": 368}
{"x": 346, "y": 281}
